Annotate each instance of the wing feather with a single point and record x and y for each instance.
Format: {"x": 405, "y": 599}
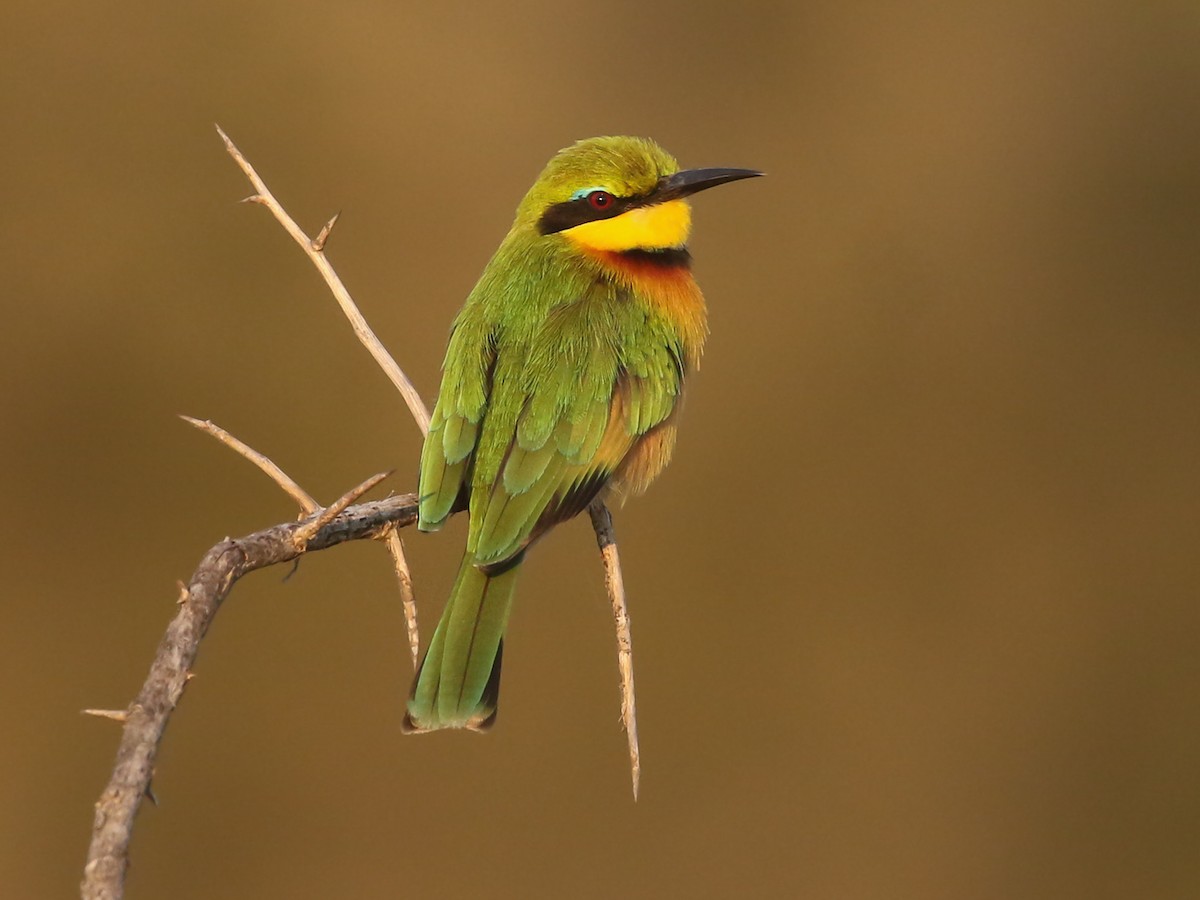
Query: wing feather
{"x": 447, "y": 455}
{"x": 559, "y": 408}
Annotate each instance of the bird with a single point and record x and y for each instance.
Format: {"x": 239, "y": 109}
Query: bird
{"x": 562, "y": 384}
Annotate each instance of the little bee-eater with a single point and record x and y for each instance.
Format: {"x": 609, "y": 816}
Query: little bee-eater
{"x": 563, "y": 380}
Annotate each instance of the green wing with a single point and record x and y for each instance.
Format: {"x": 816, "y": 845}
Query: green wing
{"x": 454, "y": 426}
{"x": 535, "y": 417}
{"x": 569, "y": 403}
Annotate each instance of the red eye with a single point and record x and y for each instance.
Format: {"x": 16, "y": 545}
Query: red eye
{"x": 600, "y": 199}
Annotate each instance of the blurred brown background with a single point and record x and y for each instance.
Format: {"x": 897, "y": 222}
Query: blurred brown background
{"x": 915, "y": 609}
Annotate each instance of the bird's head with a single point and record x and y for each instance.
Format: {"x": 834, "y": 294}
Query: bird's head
{"x": 618, "y": 193}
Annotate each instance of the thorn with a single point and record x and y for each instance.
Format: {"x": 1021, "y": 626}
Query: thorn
{"x": 184, "y": 593}
{"x": 318, "y": 243}
{"x": 253, "y": 198}
{"x": 292, "y": 571}
{"x": 150, "y": 795}
{"x": 117, "y": 715}
{"x": 188, "y": 676}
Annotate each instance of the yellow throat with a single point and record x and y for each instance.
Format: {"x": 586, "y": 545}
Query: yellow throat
{"x": 657, "y": 227}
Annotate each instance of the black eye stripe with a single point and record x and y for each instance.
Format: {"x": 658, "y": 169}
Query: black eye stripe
{"x": 561, "y": 216}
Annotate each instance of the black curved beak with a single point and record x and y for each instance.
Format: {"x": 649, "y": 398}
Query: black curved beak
{"x": 691, "y": 181}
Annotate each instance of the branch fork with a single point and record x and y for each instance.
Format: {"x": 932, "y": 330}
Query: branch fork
{"x": 145, "y": 719}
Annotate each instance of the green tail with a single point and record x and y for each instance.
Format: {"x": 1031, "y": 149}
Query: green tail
{"x": 459, "y": 680}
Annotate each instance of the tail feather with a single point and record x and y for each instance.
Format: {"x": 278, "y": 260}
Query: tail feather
{"x": 458, "y": 683}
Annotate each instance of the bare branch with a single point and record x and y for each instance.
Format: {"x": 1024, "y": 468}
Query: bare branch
{"x": 145, "y": 720}
{"x": 313, "y": 249}
{"x": 280, "y": 477}
{"x": 327, "y": 515}
{"x": 606, "y": 539}
{"x": 310, "y": 506}
{"x": 404, "y": 579}
{"x": 147, "y": 716}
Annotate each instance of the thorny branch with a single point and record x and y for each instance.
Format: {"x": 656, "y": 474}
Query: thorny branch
{"x": 145, "y": 720}
{"x": 314, "y": 249}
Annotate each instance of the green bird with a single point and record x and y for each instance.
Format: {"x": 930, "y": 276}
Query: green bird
{"x": 562, "y": 382}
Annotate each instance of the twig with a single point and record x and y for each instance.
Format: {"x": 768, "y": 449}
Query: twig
{"x": 276, "y": 474}
{"x": 304, "y": 535}
{"x": 404, "y": 580}
{"x": 606, "y": 539}
{"x": 314, "y": 249}
{"x": 147, "y": 716}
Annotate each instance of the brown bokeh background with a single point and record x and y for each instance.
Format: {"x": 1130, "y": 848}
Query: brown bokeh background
{"x": 915, "y": 609}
